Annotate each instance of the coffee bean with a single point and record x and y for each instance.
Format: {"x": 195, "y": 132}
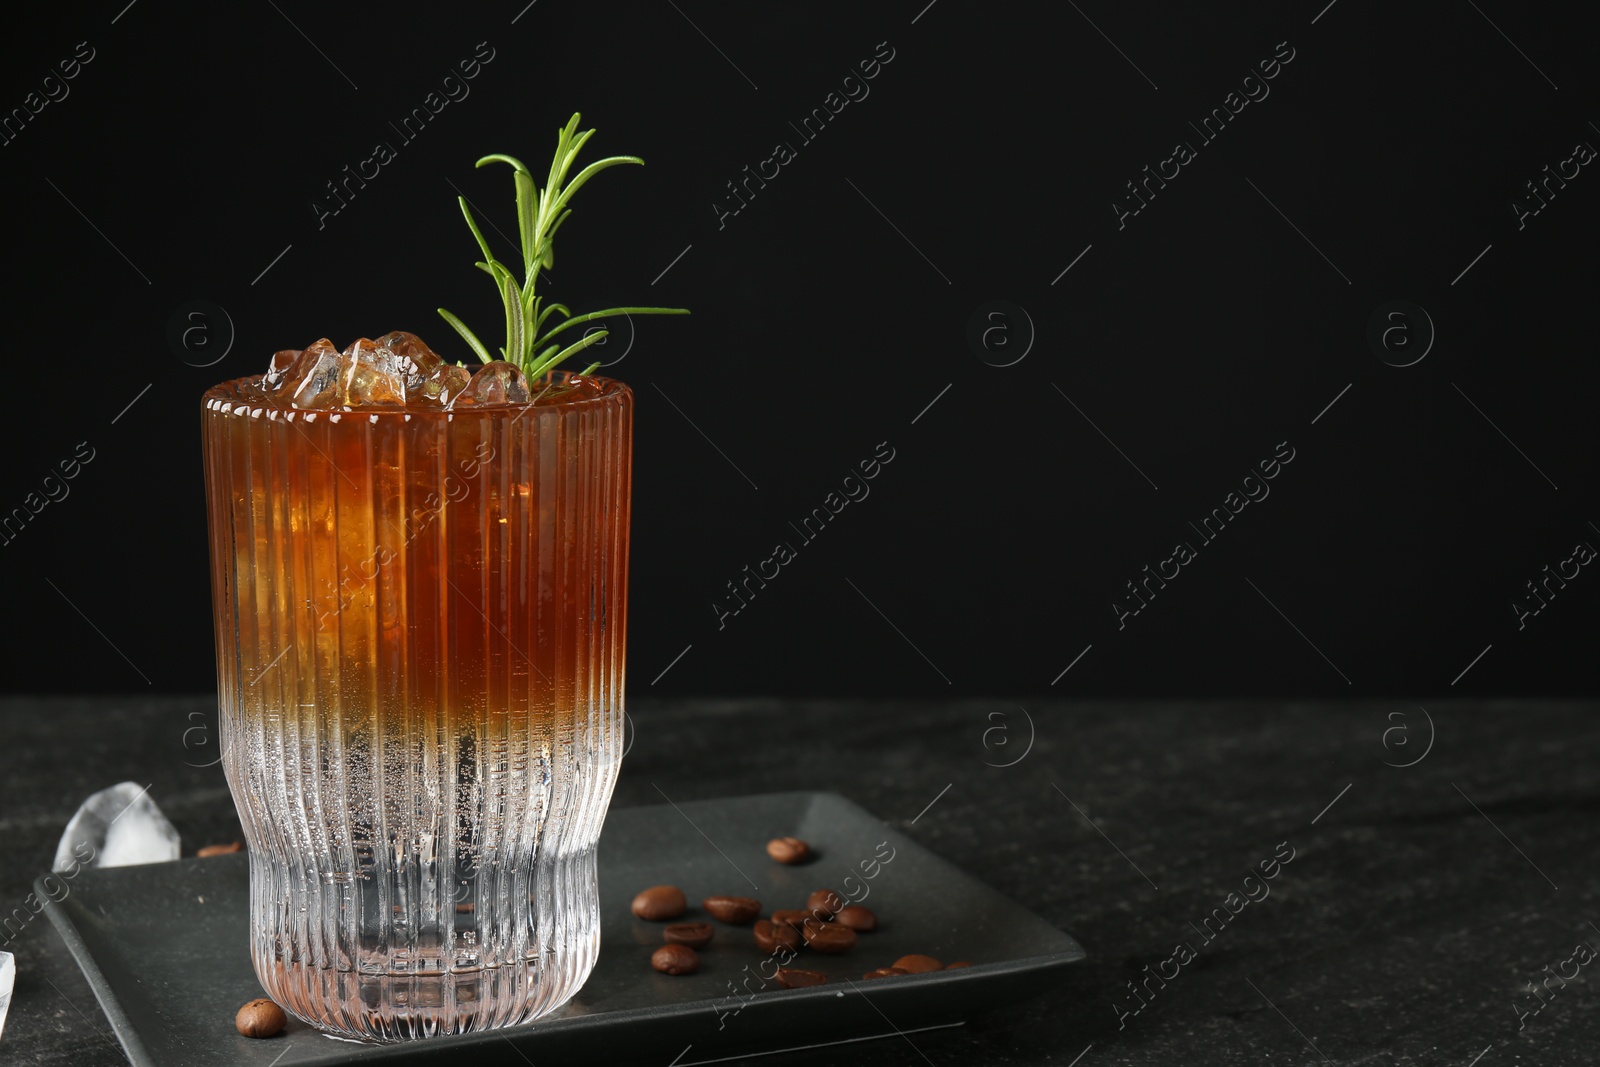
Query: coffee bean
{"x": 734, "y": 910}
{"x": 795, "y": 917}
{"x": 795, "y": 978}
{"x": 830, "y": 938}
{"x": 220, "y": 850}
{"x": 660, "y": 902}
{"x": 886, "y": 972}
{"x": 695, "y": 935}
{"x": 915, "y": 964}
{"x": 675, "y": 959}
{"x": 260, "y": 1018}
{"x": 825, "y": 902}
{"x": 862, "y": 920}
{"x": 771, "y": 936}
{"x": 788, "y": 850}
{"x": 956, "y": 964}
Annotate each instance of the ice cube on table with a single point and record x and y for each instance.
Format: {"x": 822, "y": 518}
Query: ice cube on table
{"x": 117, "y": 827}
{"x": 8, "y": 980}
{"x": 495, "y": 383}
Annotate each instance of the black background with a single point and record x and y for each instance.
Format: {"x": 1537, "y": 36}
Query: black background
{"x": 834, "y": 307}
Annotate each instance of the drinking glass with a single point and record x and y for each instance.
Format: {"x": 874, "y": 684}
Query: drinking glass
{"x": 420, "y": 622}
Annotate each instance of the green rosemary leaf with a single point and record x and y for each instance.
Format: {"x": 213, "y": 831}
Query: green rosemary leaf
{"x": 563, "y": 143}
{"x": 516, "y": 326}
{"x": 572, "y": 154}
{"x": 590, "y": 369}
{"x": 554, "y": 198}
{"x": 551, "y": 236}
{"x": 495, "y": 269}
{"x": 588, "y": 172}
{"x": 537, "y": 366}
{"x": 538, "y": 321}
{"x": 503, "y": 158}
{"x": 526, "y": 328}
{"x": 467, "y": 336}
{"x": 548, "y": 261}
{"x": 473, "y": 225}
{"x": 572, "y": 350}
{"x": 527, "y": 210}
{"x": 591, "y": 316}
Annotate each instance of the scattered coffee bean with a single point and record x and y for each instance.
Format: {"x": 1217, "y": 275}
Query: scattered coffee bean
{"x": 770, "y": 936}
{"x": 788, "y": 850}
{"x": 957, "y": 963}
{"x": 886, "y": 972}
{"x": 695, "y": 935}
{"x": 795, "y": 917}
{"x": 675, "y": 959}
{"x": 825, "y": 902}
{"x": 795, "y": 978}
{"x": 734, "y": 910}
{"x": 862, "y": 920}
{"x": 830, "y": 938}
{"x": 915, "y": 964}
{"x": 660, "y": 902}
{"x": 220, "y": 850}
{"x": 260, "y": 1018}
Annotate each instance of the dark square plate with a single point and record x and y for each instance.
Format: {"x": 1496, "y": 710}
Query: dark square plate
{"x": 166, "y": 949}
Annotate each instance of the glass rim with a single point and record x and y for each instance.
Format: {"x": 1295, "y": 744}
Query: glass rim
{"x": 612, "y": 390}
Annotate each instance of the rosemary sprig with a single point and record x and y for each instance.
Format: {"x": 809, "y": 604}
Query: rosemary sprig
{"x": 539, "y": 216}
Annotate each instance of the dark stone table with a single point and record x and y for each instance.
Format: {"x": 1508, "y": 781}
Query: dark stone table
{"x": 1420, "y": 902}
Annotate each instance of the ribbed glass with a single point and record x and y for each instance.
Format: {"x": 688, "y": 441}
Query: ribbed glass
{"x": 420, "y": 625}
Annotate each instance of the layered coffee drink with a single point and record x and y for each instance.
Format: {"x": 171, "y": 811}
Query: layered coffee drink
{"x": 420, "y": 589}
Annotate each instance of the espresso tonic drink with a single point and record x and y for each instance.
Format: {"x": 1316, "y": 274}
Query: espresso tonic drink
{"x": 420, "y": 587}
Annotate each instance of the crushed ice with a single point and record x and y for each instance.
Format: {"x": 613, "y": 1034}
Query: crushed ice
{"x": 396, "y": 370}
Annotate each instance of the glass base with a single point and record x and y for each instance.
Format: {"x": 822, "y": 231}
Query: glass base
{"x": 475, "y": 966}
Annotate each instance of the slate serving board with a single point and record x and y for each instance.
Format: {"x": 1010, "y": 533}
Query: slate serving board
{"x": 165, "y": 949}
